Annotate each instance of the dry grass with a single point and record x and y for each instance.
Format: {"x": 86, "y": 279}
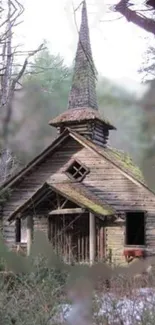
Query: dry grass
{"x": 39, "y": 297}
{"x": 36, "y": 290}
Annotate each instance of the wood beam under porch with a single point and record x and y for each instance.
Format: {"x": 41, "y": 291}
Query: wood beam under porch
{"x": 66, "y": 211}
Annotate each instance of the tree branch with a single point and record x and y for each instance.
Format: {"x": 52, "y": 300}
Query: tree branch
{"x": 21, "y": 72}
{"x": 12, "y": 90}
{"x": 132, "y": 16}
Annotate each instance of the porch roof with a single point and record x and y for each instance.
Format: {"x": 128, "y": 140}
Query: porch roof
{"x": 74, "y": 192}
{"x": 83, "y": 197}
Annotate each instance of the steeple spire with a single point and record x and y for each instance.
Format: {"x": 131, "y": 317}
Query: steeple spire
{"x": 83, "y": 90}
{"x": 82, "y": 115}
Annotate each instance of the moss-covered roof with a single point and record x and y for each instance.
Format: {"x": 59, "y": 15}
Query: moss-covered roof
{"x": 74, "y": 192}
{"x": 79, "y": 194}
{"x": 77, "y": 115}
{"x": 118, "y": 158}
{"x": 126, "y": 161}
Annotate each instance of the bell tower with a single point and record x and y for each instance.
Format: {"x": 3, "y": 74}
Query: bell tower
{"x": 83, "y": 115}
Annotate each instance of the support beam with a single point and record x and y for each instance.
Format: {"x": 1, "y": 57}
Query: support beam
{"x": 92, "y": 238}
{"x": 66, "y": 211}
{"x": 29, "y": 233}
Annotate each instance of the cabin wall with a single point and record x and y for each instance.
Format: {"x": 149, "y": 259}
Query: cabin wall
{"x": 94, "y": 130}
{"x": 150, "y": 232}
{"x": 9, "y": 232}
{"x": 112, "y": 186}
{"x": 40, "y": 223}
{"x": 105, "y": 180}
{"x": 53, "y": 167}
{"x": 100, "y": 135}
{"x": 114, "y": 243}
{"x": 84, "y": 129}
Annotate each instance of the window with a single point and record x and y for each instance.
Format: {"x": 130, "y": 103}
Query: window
{"x": 77, "y": 171}
{"x": 135, "y": 228}
{"x": 21, "y": 231}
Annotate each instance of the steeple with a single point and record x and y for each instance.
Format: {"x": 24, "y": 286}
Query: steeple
{"x": 83, "y": 90}
{"x": 82, "y": 114}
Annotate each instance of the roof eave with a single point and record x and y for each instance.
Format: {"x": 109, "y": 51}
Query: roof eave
{"x": 35, "y": 161}
{"x": 61, "y": 123}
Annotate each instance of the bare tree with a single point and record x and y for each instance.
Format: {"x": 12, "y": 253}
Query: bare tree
{"x": 11, "y": 12}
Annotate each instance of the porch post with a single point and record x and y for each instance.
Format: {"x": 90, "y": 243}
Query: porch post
{"x": 92, "y": 238}
{"x": 29, "y": 233}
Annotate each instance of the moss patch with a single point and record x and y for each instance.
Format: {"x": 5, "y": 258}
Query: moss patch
{"x": 83, "y": 197}
{"x": 128, "y": 163}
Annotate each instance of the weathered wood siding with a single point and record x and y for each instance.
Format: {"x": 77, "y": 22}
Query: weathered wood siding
{"x": 100, "y": 135}
{"x": 9, "y": 232}
{"x": 54, "y": 167}
{"x": 104, "y": 179}
{"x": 114, "y": 243}
{"x": 40, "y": 223}
{"x": 111, "y": 185}
{"x": 92, "y": 130}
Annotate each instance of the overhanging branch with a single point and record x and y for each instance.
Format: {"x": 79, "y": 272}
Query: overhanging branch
{"x": 136, "y": 18}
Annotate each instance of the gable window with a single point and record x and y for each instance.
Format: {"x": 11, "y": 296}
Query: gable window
{"x": 135, "y": 228}
{"x": 77, "y": 171}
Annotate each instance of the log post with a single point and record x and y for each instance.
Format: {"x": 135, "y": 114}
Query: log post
{"x": 29, "y": 233}
{"x": 92, "y": 238}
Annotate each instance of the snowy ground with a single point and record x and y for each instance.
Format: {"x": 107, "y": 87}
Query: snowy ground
{"x": 138, "y": 309}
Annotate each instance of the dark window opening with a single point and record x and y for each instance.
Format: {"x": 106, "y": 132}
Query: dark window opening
{"x": 18, "y": 230}
{"x": 77, "y": 171}
{"x": 135, "y": 228}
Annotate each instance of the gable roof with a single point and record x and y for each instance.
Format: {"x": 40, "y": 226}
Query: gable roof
{"x": 109, "y": 154}
{"x": 74, "y": 192}
{"x": 116, "y": 158}
{"x": 37, "y": 160}
{"x": 79, "y": 194}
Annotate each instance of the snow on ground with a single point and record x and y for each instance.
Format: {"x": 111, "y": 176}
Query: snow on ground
{"x": 129, "y": 311}
{"x": 137, "y": 309}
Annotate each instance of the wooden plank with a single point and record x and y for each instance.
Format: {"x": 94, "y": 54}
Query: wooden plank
{"x": 92, "y": 238}
{"x": 102, "y": 246}
{"x": 66, "y": 211}
{"x": 29, "y": 234}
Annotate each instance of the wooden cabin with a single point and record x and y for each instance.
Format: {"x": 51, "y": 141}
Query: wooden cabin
{"x": 91, "y": 204}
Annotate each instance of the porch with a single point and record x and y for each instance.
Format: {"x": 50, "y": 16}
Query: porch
{"x": 76, "y": 236}
{"x": 73, "y": 222}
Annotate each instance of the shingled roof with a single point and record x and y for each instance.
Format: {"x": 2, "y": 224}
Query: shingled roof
{"x": 83, "y": 90}
{"x": 120, "y": 159}
{"x": 75, "y": 192}
{"x": 79, "y": 115}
